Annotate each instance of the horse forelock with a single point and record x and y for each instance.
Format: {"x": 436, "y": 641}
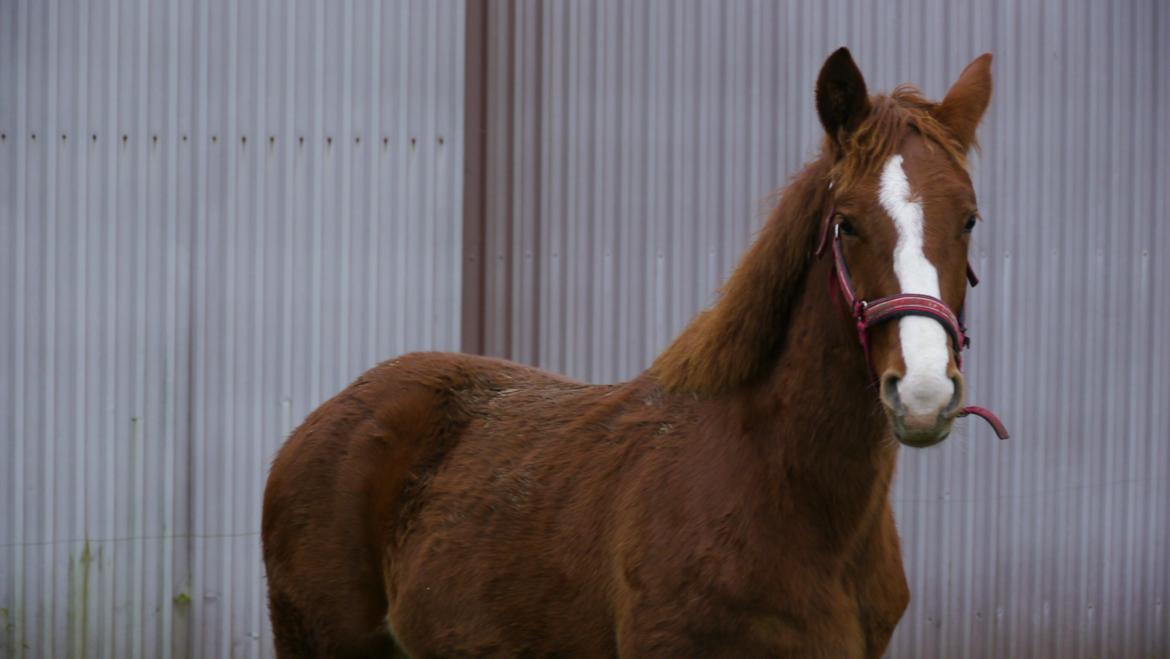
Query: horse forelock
{"x": 879, "y": 136}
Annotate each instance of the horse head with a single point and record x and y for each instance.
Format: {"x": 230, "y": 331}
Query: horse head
{"x": 899, "y": 220}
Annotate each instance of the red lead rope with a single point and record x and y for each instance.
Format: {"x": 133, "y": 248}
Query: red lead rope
{"x": 870, "y": 313}
{"x": 988, "y": 416}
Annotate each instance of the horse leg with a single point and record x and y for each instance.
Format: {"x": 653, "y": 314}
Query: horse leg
{"x": 339, "y": 617}
{"x": 879, "y": 584}
{"x": 291, "y": 635}
{"x": 761, "y": 639}
{"x": 696, "y": 626}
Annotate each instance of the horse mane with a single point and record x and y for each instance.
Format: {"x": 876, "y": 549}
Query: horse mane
{"x": 740, "y": 337}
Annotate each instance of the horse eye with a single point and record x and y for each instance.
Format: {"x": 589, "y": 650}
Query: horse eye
{"x": 970, "y": 225}
{"x": 845, "y": 226}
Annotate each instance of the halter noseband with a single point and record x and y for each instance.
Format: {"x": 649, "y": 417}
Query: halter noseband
{"x": 868, "y": 313}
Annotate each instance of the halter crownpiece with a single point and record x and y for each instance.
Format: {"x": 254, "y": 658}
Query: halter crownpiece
{"x": 867, "y": 313}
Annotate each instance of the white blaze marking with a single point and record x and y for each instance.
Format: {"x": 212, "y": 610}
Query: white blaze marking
{"x": 925, "y": 389}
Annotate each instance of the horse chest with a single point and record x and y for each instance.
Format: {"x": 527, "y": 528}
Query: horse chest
{"x": 758, "y": 582}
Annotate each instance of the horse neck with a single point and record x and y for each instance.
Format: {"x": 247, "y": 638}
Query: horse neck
{"x": 778, "y": 357}
{"x": 818, "y": 421}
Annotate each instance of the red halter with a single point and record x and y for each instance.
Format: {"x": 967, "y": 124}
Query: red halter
{"x": 867, "y": 313}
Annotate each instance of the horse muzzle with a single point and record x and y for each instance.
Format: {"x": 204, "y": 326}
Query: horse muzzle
{"x": 918, "y": 428}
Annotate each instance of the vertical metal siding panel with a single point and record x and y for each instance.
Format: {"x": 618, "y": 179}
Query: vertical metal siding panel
{"x": 262, "y": 390}
{"x": 184, "y": 150}
{"x": 448, "y": 101}
{"x": 435, "y": 179}
{"x": 658, "y": 172}
{"x": 574, "y": 225}
{"x": 1043, "y": 572}
{"x": 1088, "y": 559}
{"x": 1070, "y": 182}
{"x": 1043, "y": 546}
{"x": 627, "y": 116}
{"x": 175, "y": 295}
{"x": 387, "y": 140}
{"x": 558, "y": 217}
{"x": 1112, "y": 205}
{"x": 415, "y": 161}
{"x": 600, "y": 194}
{"x": 199, "y": 424}
{"x": 1132, "y": 406}
{"x": 226, "y": 280}
{"x": 400, "y": 144}
{"x": 579, "y": 150}
{"x": 1153, "y": 611}
{"x": 589, "y": 281}
{"x": 170, "y": 239}
{"x": 136, "y": 129}
{"x": 738, "y": 204}
{"x": 16, "y": 33}
{"x": 9, "y": 318}
{"x": 343, "y": 142}
{"x": 635, "y": 209}
{"x": 525, "y": 91}
{"x": 282, "y": 133}
{"x": 1138, "y": 138}
{"x": 373, "y": 132}
{"x": 457, "y": 140}
{"x": 429, "y": 49}
{"x": 150, "y": 324}
{"x": 50, "y": 629}
{"x": 545, "y": 93}
{"x": 706, "y": 141}
{"x": 75, "y": 134}
{"x": 682, "y": 54}
{"x": 315, "y": 13}
{"x": 107, "y": 131}
{"x": 496, "y": 179}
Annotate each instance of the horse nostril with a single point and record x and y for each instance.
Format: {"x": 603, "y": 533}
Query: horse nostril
{"x": 957, "y": 395}
{"x": 889, "y": 392}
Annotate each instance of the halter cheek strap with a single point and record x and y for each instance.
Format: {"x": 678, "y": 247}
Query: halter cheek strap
{"x": 868, "y": 313}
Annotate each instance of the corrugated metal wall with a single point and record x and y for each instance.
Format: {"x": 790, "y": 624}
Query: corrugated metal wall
{"x": 632, "y": 151}
{"x": 214, "y": 214}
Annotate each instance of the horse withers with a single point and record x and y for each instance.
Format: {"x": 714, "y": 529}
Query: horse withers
{"x": 733, "y": 500}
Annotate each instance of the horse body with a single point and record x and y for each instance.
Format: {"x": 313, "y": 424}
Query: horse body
{"x": 730, "y": 501}
{"x": 489, "y": 498}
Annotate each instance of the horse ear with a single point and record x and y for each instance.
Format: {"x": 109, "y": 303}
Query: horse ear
{"x": 842, "y": 102}
{"x": 967, "y": 100}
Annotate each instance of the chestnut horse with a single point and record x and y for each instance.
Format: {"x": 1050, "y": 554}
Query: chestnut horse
{"x": 733, "y": 500}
